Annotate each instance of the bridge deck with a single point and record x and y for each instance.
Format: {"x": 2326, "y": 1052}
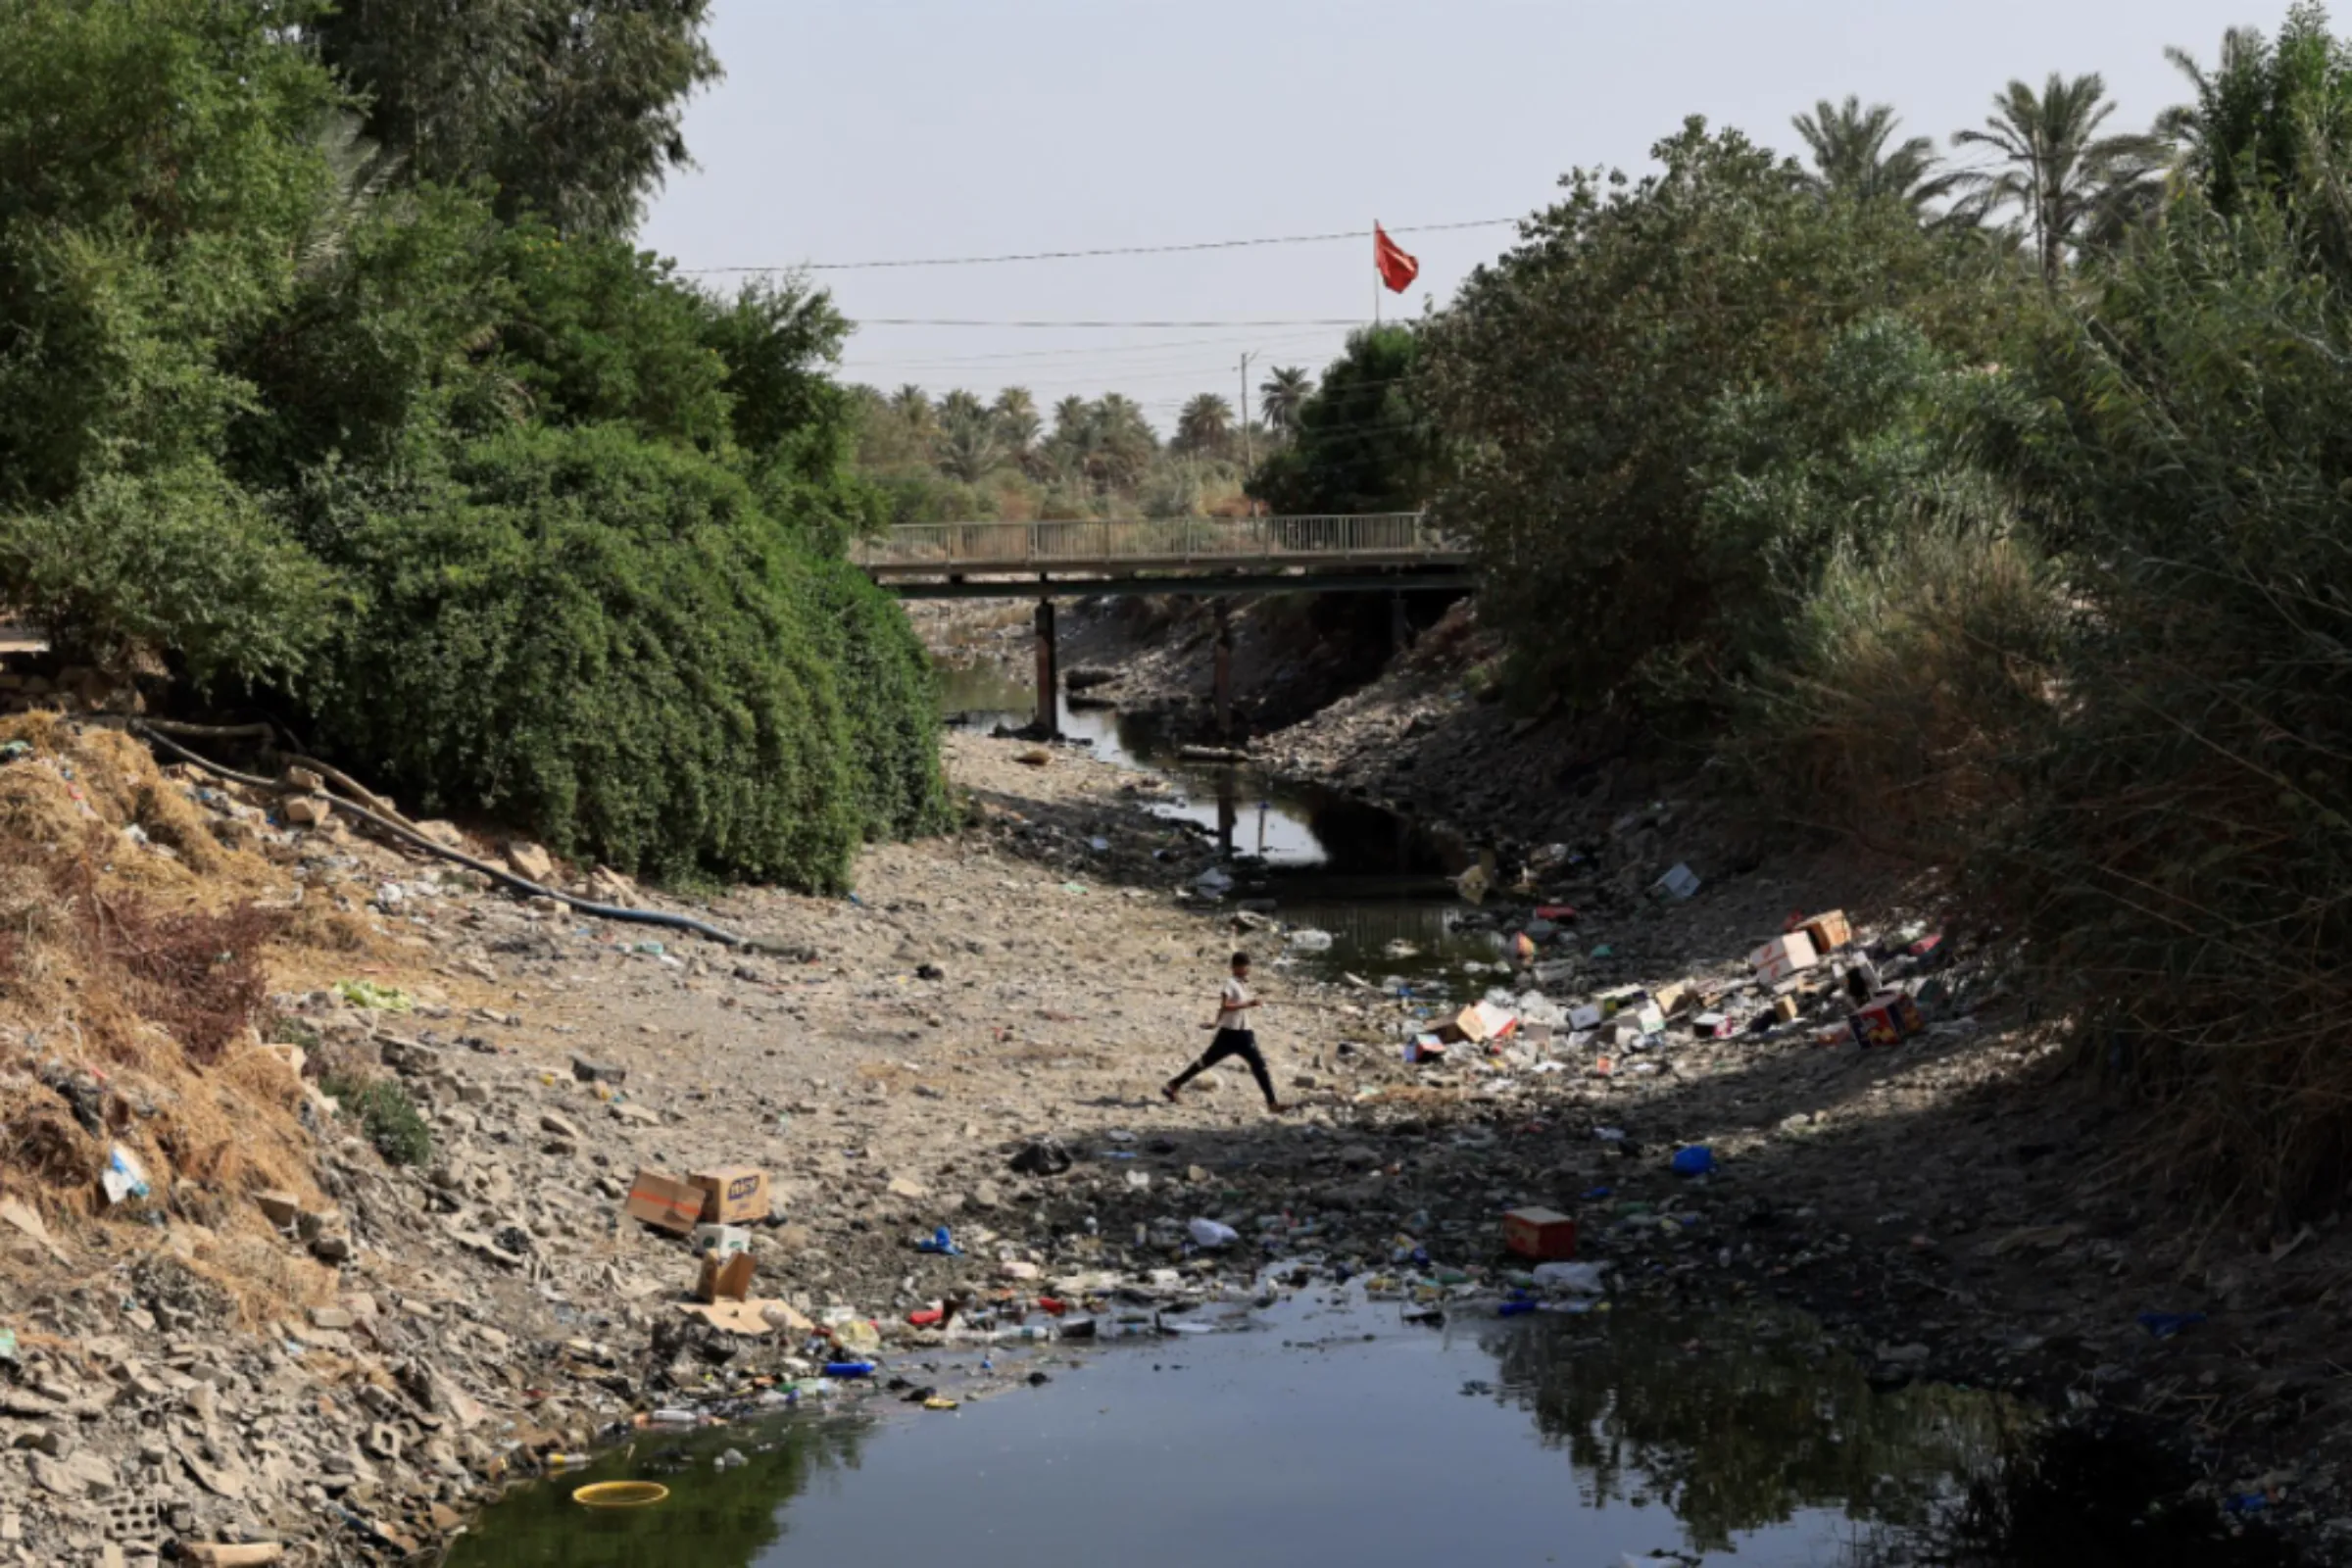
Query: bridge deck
{"x": 1116, "y": 547}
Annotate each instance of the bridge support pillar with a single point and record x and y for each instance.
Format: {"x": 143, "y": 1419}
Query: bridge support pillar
{"x": 1224, "y": 675}
{"x": 1400, "y": 625}
{"x": 1049, "y": 676}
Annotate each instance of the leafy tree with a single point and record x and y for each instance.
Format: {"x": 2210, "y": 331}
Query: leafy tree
{"x": 776, "y": 342}
{"x": 1853, "y": 155}
{"x": 1575, "y": 381}
{"x": 2068, "y": 184}
{"x": 161, "y": 166}
{"x": 1363, "y": 442}
{"x": 1282, "y": 394}
{"x": 570, "y": 107}
{"x": 1205, "y": 429}
{"x": 913, "y": 404}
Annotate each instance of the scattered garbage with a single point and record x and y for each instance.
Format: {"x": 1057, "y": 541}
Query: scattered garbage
{"x": 2165, "y": 1325}
{"x": 369, "y": 997}
{"x": 1308, "y": 939}
{"x": 124, "y": 1177}
{"x": 1678, "y": 884}
{"x": 1045, "y": 1157}
{"x": 1697, "y": 1161}
{"x": 941, "y": 1242}
{"x": 1583, "y": 1279}
{"x": 1540, "y": 1234}
{"x": 1208, "y": 1233}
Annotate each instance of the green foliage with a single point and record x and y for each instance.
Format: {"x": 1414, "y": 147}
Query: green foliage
{"x": 604, "y": 639}
{"x": 158, "y": 160}
{"x": 2272, "y": 119}
{"x": 1362, "y": 441}
{"x": 179, "y": 558}
{"x": 1576, "y": 378}
{"x": 569, "y": 108}
{"x": 2069, "y": 185}
{"x": 387, "y": 1116}
{"x": 2181, "y": 873}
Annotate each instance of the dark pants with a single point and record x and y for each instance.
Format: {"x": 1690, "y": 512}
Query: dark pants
{"x": 1231, "y": 1043}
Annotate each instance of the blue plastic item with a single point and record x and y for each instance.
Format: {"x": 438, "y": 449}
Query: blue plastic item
{"x": 941, "y": 1241}
{"x": 1515, "y": 1308}
{"x": 849, "y": 1369}
{"x": 1697, "y": 1161}
{"x": 2164, "y": 1325}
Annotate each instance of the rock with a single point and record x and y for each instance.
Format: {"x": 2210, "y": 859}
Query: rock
{"x": 908, "y": 1187}
{"x": 590, "y": 1072}
{"x": 331, "y": 1317}
{"x": 560, "y": 1128}
{"x": 308, "y": 811}
{"x": 987, "y": 1194}
{"x": 635, "y": 1114}
{"x": 529, "y": 861}
{"x": 283, "y": 1210}
{"x": 1016, "y": 1269}
{"x": 1043, "y": 1157}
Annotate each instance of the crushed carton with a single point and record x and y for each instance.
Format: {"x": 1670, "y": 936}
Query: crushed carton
{"x": 725, "y": 1277}
{"x": 1679, "y": 883}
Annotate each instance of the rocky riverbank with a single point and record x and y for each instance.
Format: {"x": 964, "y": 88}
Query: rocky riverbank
{"x": 197, "y": 1368}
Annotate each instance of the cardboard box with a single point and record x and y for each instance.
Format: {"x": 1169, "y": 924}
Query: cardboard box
{"x": 1649, "y": 1020}
{"x": 1585, "y": 1017}
{"x": 1783, "y": 956}
{"x": 1540, "y": 1234}
{"x": 725, "y": 1277}
{"x": 1424, "y": 1048}
{"x": 660, "y": 1198}
{"x": 1890, "y": 1019}
{"x": 1480, "y": 1021}
{"x": 735, "y": 1195}
{"x": 1829, "y": 932}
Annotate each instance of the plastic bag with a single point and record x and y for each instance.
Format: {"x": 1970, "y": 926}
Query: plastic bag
{"x": 1208, "y": 1233}
{"x": 1586, "y": 1279}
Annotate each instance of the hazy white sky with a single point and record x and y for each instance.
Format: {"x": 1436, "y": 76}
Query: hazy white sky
{"x": 881, "y": 129}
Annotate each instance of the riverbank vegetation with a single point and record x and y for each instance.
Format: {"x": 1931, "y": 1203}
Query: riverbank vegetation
{"x": 1995, "y": 512}
{"x": 332, "y": 380}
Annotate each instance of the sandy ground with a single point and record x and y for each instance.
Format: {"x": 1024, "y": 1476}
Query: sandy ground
{"x": 1950, "y": 1208}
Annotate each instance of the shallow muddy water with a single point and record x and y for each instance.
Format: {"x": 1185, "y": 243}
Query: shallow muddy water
{"x": 1322, "y": 1430}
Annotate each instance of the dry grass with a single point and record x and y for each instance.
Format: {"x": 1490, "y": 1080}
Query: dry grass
{"x": 144, "y": 968}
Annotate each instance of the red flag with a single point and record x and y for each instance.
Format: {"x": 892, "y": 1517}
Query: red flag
{"x": 1396, "y": 268}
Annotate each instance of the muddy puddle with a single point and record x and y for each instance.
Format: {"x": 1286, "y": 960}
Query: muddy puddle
{"x": 1377, "y": 882}
{"x": 1323, "y": 1429}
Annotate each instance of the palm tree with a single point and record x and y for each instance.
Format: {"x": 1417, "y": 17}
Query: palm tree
{"x": 1282, "y": 394}
{"x": 958, "y": 406}
{"x": 2068, "y": 184}
{"x": 1851, "y": 152}
{"x": 1018, "y": 424}
{"x": 968, "y": 447}
{"x": 1121, "y": 442}
{"x": 1204, "y": 428}
{"x": 913, "y": 404}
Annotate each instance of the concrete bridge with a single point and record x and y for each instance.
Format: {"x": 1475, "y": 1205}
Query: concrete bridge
{"x": 1217, "y": 558}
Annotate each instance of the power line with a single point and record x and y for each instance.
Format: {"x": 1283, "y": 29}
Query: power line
{"x": 1097, "y": 351}
{"x": 1113, "y": 250}
{"x": 1266, "y": 321}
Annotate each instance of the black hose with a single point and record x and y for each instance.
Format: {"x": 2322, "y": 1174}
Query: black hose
{"x": 505, "y": 878}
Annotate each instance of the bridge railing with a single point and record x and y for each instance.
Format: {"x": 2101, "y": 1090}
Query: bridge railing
{"x": 1174, "y": 541}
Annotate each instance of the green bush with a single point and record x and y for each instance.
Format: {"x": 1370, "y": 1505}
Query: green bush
{"x": 387, "y": 1114}
{"x": 607, "y": 643}
{"x": 2181, "y": 874}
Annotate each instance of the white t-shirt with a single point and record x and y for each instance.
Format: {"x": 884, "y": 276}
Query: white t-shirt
{"x": 1235, "y": 996}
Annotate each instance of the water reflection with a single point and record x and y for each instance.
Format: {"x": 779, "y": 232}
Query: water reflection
{"x": 1329, "y": 1434}
{"x": 1741, "y": 1421}
{"x": 712, "y": 1518}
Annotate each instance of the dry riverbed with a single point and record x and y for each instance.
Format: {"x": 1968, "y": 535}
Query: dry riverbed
{"x": 1943, "y": 1207}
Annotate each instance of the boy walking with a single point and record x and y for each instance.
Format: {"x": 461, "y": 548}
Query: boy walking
{"x": 1234, "y": 1036}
